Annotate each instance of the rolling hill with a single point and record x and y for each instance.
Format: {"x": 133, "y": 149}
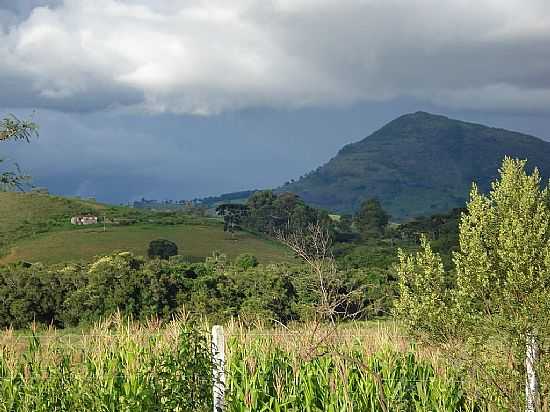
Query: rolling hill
{"x": 418, "y": 164}
{"x": 36, "y": 227}
{"x": 27, "y": 214}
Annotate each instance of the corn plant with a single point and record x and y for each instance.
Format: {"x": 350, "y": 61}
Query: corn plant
{"x": 263, "y": 377}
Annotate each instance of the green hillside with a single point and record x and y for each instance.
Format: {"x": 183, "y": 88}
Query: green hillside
{"x": 418, "y": 164}
{"x": 36, "y": 227}
{"x": 27, "y": 214}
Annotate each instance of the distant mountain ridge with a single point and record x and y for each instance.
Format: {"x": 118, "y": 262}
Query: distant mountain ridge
{"x": 418, "y": 164}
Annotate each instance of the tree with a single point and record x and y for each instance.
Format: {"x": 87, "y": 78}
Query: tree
{"x": 233, "y": 214}
{"x": 261, "y": 211}
{"x": 371, "y": 219}
{"x": 344, "y": 223}
{"x": 11, "y": 128}
{"x": 162, "y": 249}
{"x": 502, "y": 287}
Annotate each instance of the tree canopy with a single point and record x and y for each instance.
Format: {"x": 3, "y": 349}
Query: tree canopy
{"x": 271, "y": 213}
{"x": 233, "y": 214}
{"x": 162, "y": 249}
{"x": 371, "y": 219}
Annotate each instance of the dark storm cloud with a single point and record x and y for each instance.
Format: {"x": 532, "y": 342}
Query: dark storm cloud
{"x": 117, "y": 158}
{"x": 207, "y": 57}
{"x": 103, "y": 96}
{"x": 122, "y": 157}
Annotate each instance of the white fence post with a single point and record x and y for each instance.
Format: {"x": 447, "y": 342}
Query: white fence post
{"x": 218, "y": 358}
{"x": 531, "y": 380}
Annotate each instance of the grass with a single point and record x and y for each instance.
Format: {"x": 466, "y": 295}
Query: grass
{"x": 26, "y": 214}
{"x": 120, "y": 365}
{"x": 194, "y": 241}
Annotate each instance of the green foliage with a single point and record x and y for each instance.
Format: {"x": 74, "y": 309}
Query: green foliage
{"x": 78, "y": 294}
{"x": 233, "y": 214}
{"x": 418, "y": 164}
{"x": 371, "y": 219}
{"x": 422, "y": 294}
{"x": 370, "y": 266}
{"x": 162, "y": 249}
{"x": 503, "y": 265}
{"x": 120, "y": 365}
{"x": 502, "y": 288}
{"x": 270, "y": 213}
{"x": 246, "y": 261}
{"x": 12, "y": 128}
{"x": 234, "y": 197}
{"x": 33, "y": 295}
{"x": 440, "y": 229}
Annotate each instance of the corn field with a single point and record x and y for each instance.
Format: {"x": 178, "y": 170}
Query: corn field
{"x": 386, "y": 381}
{"x": 124, "y": 366}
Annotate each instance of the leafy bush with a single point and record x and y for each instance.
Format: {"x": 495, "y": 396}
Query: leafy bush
{"x": 162, "y": 249}
{"x": 246, "y": 261}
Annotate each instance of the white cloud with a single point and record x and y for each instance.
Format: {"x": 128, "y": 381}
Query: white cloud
{"x": 200, "y": 56}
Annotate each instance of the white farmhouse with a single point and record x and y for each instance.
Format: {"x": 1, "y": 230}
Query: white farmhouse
{"x": 84, "y": 220}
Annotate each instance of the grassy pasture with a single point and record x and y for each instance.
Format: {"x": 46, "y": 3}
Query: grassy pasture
{"x": 26, "y": 214}
{"x": 194, "y": 241}
{"x": 19, "y": 209}
{"x": 36, "y": 227}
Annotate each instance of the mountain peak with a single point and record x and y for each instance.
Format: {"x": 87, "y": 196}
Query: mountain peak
{"x": 421, "y": 116}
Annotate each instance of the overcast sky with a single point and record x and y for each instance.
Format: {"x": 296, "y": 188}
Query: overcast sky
{"x": 178, "y": 99}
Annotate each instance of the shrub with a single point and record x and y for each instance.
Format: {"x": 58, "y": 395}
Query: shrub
{"x": 246, "y": 261}
{"x": 162, "y": 249}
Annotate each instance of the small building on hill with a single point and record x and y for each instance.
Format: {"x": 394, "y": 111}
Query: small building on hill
{"x": 84, "y": 220}
{"x": 40, "y": 190}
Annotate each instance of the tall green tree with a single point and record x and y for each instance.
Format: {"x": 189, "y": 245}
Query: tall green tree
{"x": 371, "y": 219}
{"x": 233, "y": 214}
{"x": 501, "y": 295}
{"x": 262, "y": 211}
{"x": 12, "y": 128}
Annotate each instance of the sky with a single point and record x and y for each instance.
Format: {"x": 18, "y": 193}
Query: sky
{"x": 177, "y": 99}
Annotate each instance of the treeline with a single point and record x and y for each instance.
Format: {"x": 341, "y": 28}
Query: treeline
{"x": 269, "y": 213}
{"x": 71, "y": 295}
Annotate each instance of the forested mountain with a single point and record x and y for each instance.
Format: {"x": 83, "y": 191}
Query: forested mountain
{"x": 418, "y": 164}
